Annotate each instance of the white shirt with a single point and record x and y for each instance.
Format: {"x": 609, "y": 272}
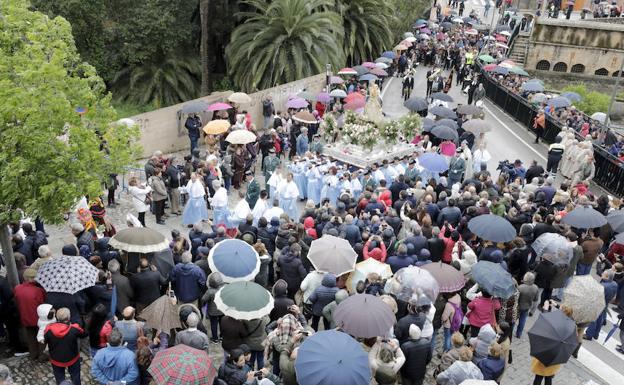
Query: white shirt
{"x": 289, "y": 190}
{"x": 242, "y": 209}
{"x": 195, "y": 189}
{"x": 273, "y": 212}
{"x": 259, "y": 209}
{"x": 378, "y": 175}
{"x": 220, "y": 198}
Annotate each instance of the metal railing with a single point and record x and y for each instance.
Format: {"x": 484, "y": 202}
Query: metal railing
{"x": 609, "y": 169}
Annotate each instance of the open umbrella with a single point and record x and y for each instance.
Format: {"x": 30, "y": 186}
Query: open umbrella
{"x": 354, "y": 96}
{"x": 492, "y": 228}
{"x": 182, "y": 365}
{"x": 364, "y": 316}
{"x": 244, "y": 300}
{"x": 441, "y": 96}
{"x": 433, "y": 162}
{"x": 449, "y": 278}
{"x": 501, "y": 70}
{"x": 411, "y": 39}
{"x": 336, "y": 80}
{"x": 355, "y": 105}
{"x": 416, "y": 103}
{"x": 585, "y": 217}
{"x": 219, "y": 106}
{"x": 217, "y": 127}
{"x": 239, "y": 98}
{"x": 66, "y": 274}
{"x": 360, "y": 70}
{"x": 446, "y": 25}
{"x": 556, "y": 245}
{"x": 599, "y": 116}
{"x": 332, "y": 358}
{"x": 368, "y": 64}
{"x": 443, "y": 112}
{"x": 241, "y": 137}
{"x": 502, "y": 28}
{"x": 305, "y": 117}
{"x": 323, "y": 97}
{"x": 368, "y": 77}
{"x": 428, "y": 123}
{"x": 458, "y": 20}
{"x": 532, "y": 87}
{"x": 139, "y": 240}
{"x": 468, "y": 109}
{"x": 411, "y": 283}
{"x": 489, "y": 67}
{"x": 332, "y": 255}
{"x": 539, "y": 98}
{"x": 450, "y": 123}
{"x": 424, "y": 36}
{"x": 572, "y": 96}
{"x": 501, "y": 38}
{"x": 347, "y": 71}
{"x": 400, "y": 47}
{"x": 338, "y": 94}
{"x": 378, "y": 72}
{"x": 586, "y": 298}
{"x": 444, "y": 132}
{"x": 194, "y": 107}
{"x": 559, "y": 102}
{"x": 616, "y": 221}
{"x": 390, "y": 54}
{"x": 366, "y": 267}
{"x": 306, "y": 95}
{"x": 477, "y": 126}
{"x": 553, "y": 338}
{"x": 518, "y": 71}
{"x": 162, "y": 315}
{"x": 492, "y": 278}
{"x": 381, "y": 64}
{"x": 473, "y": 32}
{"x": 297, "y": 103}
{"x": 236, "y": 260}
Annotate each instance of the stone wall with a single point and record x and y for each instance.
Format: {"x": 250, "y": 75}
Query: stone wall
{"x": 584, "y": 47}
{"x": 163, "y": 129}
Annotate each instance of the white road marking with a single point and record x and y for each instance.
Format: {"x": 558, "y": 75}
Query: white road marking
{"x": 600, "y": 368}
{"x": 383, "y": 92}
{"x": 514, "y": 134}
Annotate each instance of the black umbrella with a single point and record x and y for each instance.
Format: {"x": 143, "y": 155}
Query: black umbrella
{"x": 585, "y": 217}
{"x": 365, "y": 316}
{"x": 450, "y": 123}
{"x": 501, "y": 28}
{"x": 416, "y": 104}
{"x": 428, "y": 124}
{"x": 446, "y": 25}
{"x": 476, "y": 126}
{"x": 616, "y": 221}
{"x": 553, "y": 338}
{"x": 444, "y": 132}
{"x": 492, "y": 228}
{"x": 443, "y": 112}
{"x": 469, "y": 109}
{"x": 361, "y": 70}
{"x": 441, "y": 96}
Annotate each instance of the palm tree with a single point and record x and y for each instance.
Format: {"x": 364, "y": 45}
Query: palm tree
{"x": 282, "y": 41}
{"x": 161, "y": 83}
{"x": 367, "y": 28}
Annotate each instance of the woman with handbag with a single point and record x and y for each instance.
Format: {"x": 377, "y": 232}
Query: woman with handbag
{"x": 141, "y": 197}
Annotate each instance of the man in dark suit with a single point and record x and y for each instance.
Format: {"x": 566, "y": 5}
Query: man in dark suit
{"x": 253, "y": 189}
{"x": 146, "y": 285}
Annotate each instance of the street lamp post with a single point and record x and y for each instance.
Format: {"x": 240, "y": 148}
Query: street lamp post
{"x": 328, "y": 73}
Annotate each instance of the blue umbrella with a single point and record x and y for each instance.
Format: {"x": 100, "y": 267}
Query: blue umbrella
{"x": 492, "y": 228}
{"x": 236, "y": 260}
{"x": 492, "y": 278}
{"x": 332, "y": 358}
{"x": 433, "y": 162}
{"x": 559, "y": 102}
{"x": 572, "y": 96}
{"x": 389, "y": 55}
{"x": 501, "y": 70}
{"x": 368, "y": 77}
{"x": 532, "y": 87}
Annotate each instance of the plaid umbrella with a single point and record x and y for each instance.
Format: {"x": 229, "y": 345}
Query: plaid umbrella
{"x": 66, "y": 274}
{"x": 162, "y": 314}
{"x": 182, "y": 365}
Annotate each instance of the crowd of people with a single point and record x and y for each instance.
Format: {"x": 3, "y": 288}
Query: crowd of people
{"x": 279, "y": 194}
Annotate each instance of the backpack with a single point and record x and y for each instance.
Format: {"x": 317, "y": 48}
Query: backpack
{"x": 458, "y": 317}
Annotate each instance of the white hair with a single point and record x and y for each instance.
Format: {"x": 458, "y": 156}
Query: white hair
{"x": 44, "y": 251}
{"x": 186, "y": 257}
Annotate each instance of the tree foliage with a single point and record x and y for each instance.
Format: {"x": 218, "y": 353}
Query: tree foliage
{"x": 593, "y": 101}
{"x": 407, "y": 12}
{"x": 284, "y": 40}
{"x": 366, "y": 27}
{"x": 42, "y": 82}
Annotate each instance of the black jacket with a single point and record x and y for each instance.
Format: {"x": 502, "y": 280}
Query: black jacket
{"x": 281, "y": 301}
{"x": 125, "y": 294}
{"x": 74, "y": 302}
{"x": 232, "y": 331}
{"x": 401, "y": 329}
{"x": 417, "y": 356}
{"x": 64, "y": 343}
{"x": 292, "y": 271}
{"x": 436, "y": 247}
{"x": 146, "y": 286}
{"x": 545, "y": 271}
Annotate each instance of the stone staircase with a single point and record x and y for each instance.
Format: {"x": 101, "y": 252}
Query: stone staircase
{"x": 519, "y": 48}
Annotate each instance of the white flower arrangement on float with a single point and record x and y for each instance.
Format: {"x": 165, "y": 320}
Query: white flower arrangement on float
{"x": 329, "y": 128}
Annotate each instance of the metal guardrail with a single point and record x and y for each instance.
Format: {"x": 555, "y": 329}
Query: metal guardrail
{"x": 609, "y": 169}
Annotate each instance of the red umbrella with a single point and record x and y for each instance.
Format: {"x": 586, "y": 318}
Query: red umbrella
{"x": 347, "y": 71}
{"x": 368, "y": 64}
{"x": 219, "y": 106}
{"x": 490, "y": 67}
{"x": 355, "y": 104}
{"x": 501, "y": 38}
{"x": 182, "y": 364}
{"x": 354, "y": 96}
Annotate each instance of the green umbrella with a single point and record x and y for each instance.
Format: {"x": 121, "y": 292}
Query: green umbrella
{"x": 244, "y": 300}
{"x": 487, "y": 59}
{"x": 518, "y": 71}
{"x": 306, "y": 95}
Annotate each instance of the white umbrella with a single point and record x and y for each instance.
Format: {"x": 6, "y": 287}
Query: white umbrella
{"x": 599, "y": 116}
{"x": 67, "y": 274}
{"x": 240, "y": 98}
{"x": 383, "y": 66}
{"x": 364, "y": 268}
{"x": 411, "y": 39}
{"x": 338, "y": 94}
{"x": 586, "y": 298}
{"x": 505, "y": 33}
{"x": 332, "y": 255}
{"x": 241, "y": 137}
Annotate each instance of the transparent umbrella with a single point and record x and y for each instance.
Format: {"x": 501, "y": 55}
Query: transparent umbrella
{"x": 410, "y": 283}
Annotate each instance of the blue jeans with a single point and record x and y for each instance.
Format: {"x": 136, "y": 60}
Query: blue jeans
{"x": 433, "y": 340}
{"x": 593, "y": 330}
{"x": 214, "y": 324}
{"x": 583, "y": 269}
{"x": 257, "y": 357}
{"x": 447, "y": 339}
{"x": 521, "y": 322}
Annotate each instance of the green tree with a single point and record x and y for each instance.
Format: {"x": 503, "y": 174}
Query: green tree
{"x": 42, "y": 82}
{"x": 367, "y": 28}
{"x": 282, "y": 41}
{"x": 593, "y": 101}
{"x": 407, "y": 12}
{"x": 170, "y": 81}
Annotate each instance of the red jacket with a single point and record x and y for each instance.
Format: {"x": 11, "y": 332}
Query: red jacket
{"x": 482, "y": 311}
{"x": 616, "y": 248}
{"x": 28, "y": 296}
{"x": 64, "y": 343}
{"x": 378, "y": 253}
{"x": 386, "y": 198}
